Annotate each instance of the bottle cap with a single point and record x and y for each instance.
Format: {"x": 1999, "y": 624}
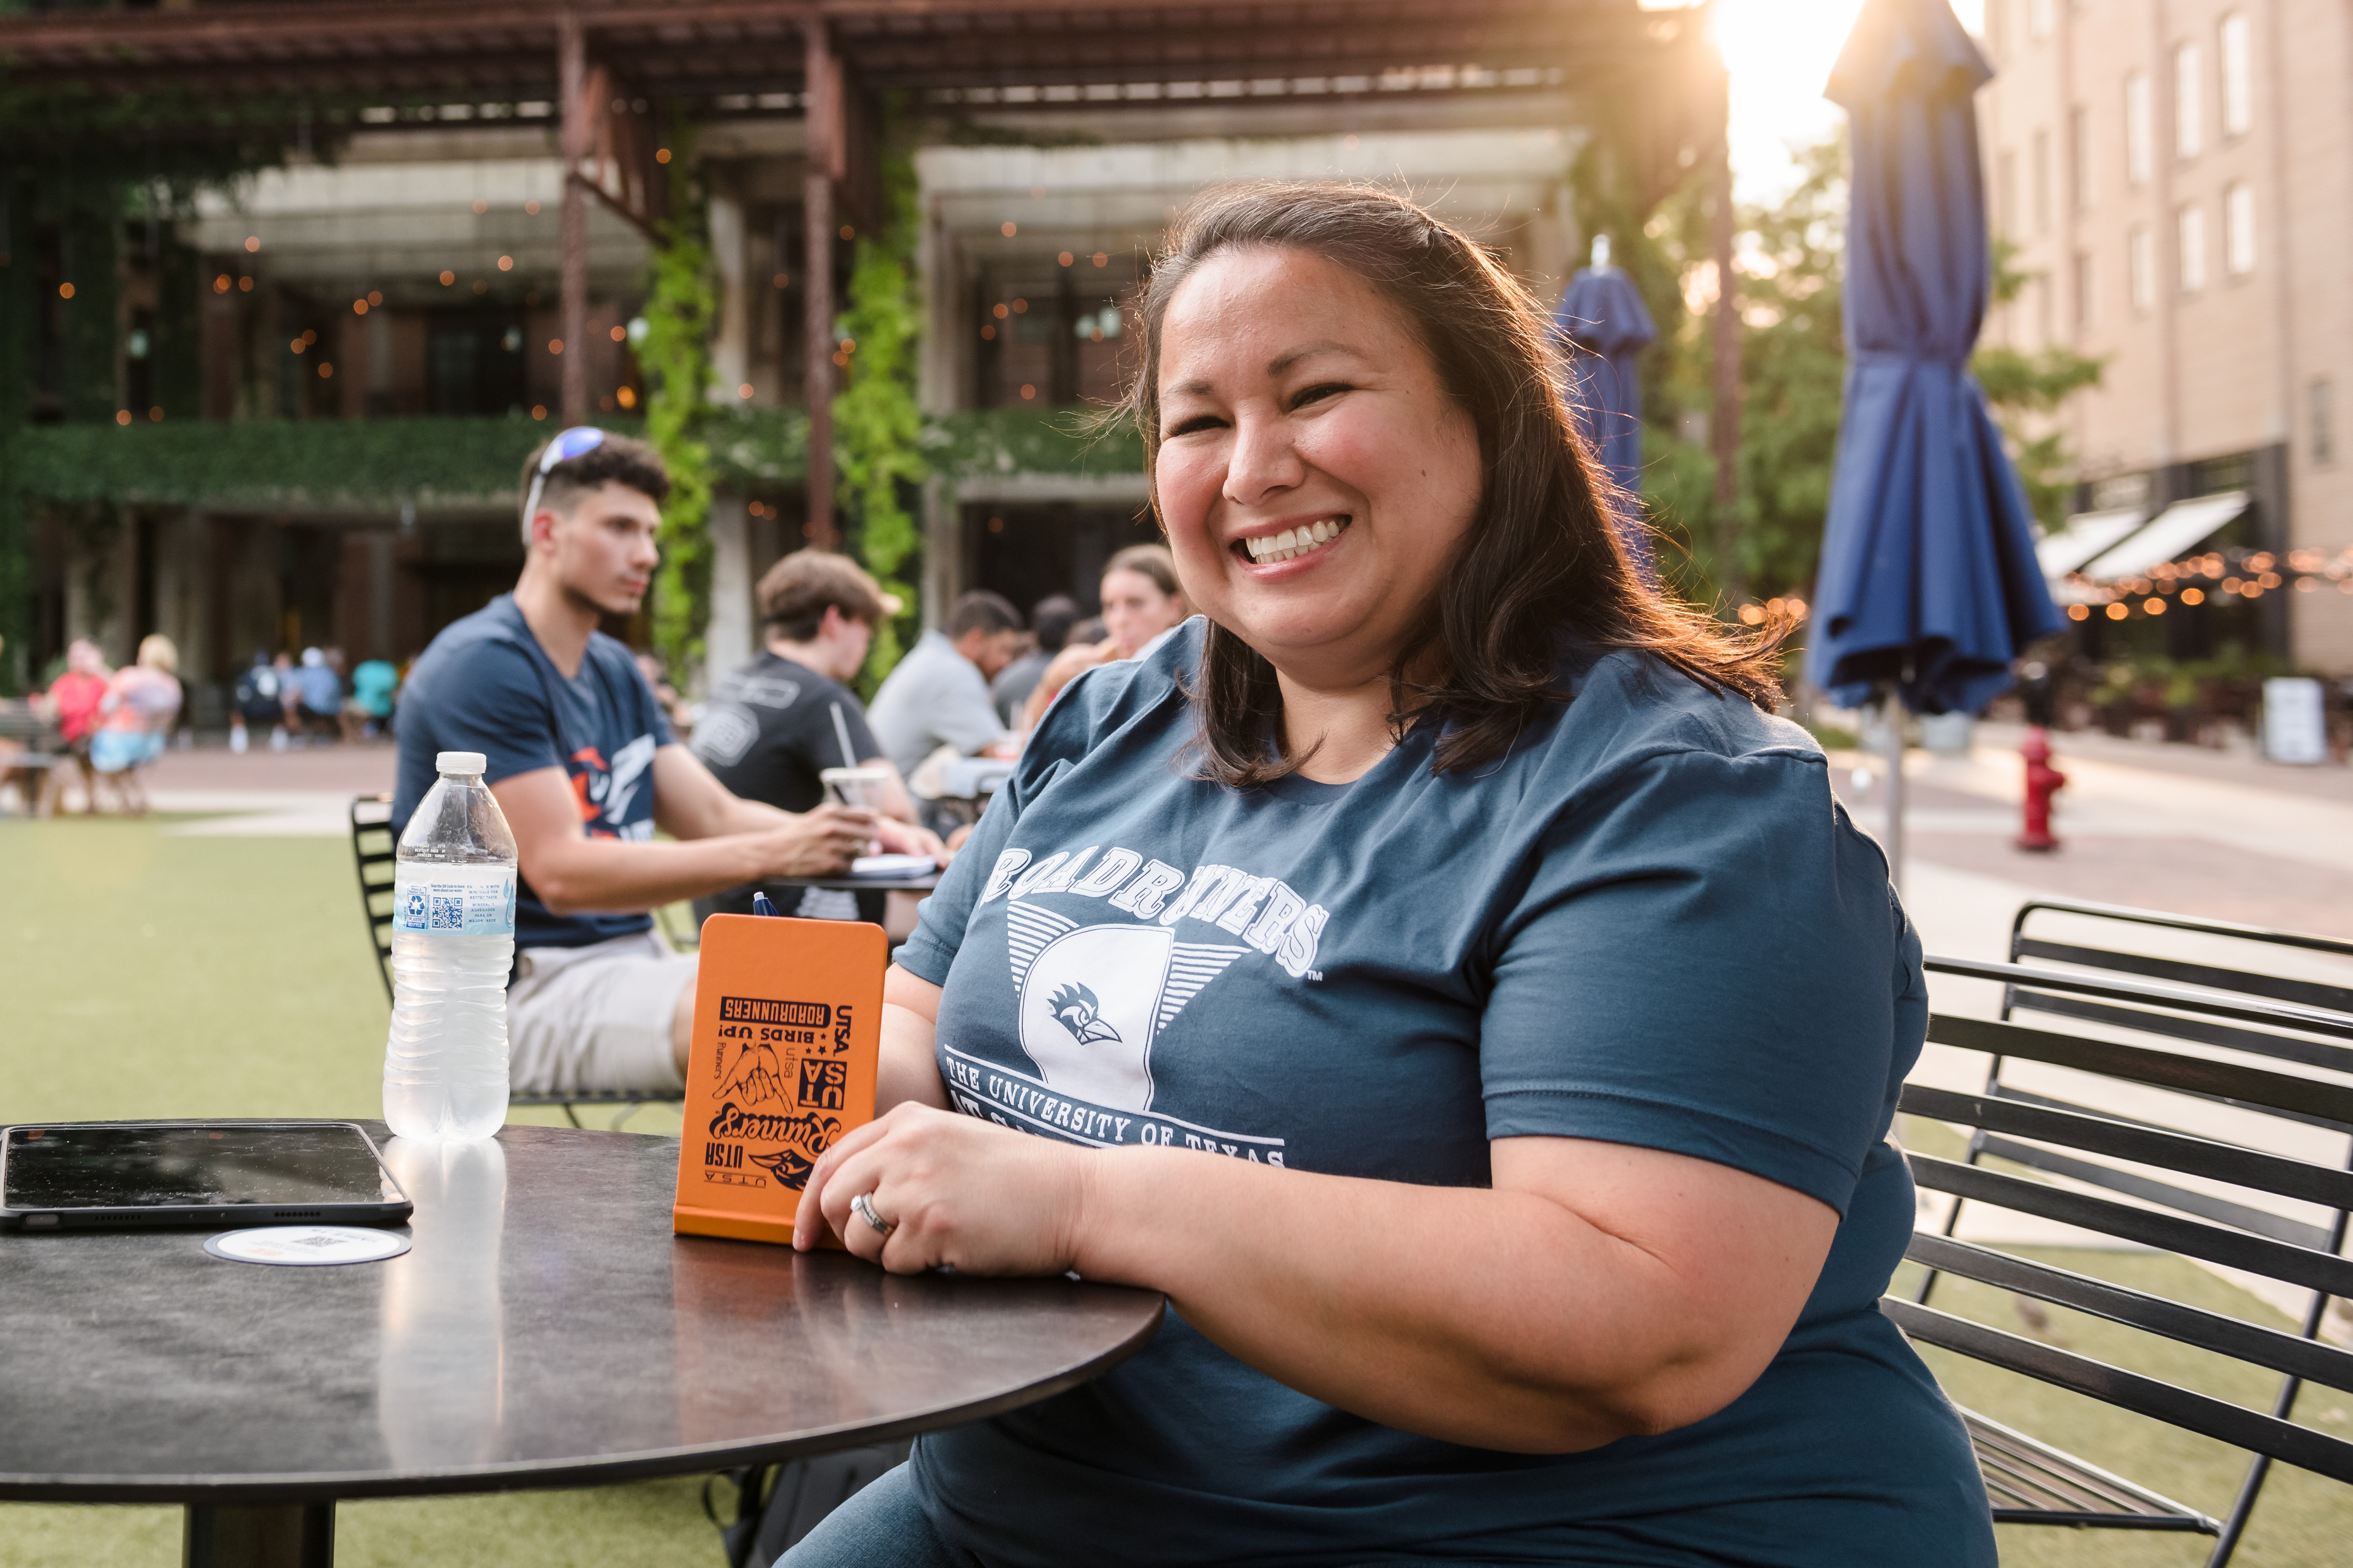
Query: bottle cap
{"x": 461, "y": 762}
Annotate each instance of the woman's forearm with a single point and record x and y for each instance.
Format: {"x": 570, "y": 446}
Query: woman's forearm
{"x": 1461, "y": 1313}
{"x": 1495, "y": 1318}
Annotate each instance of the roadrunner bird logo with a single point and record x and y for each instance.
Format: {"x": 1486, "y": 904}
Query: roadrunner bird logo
{"x": 789, "y": 1167}
{"x": 1093, "y": 998}
{"x": 1077, "y": 1010}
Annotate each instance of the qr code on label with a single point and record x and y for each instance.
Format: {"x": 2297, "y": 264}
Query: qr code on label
{"x": 448, "y": 913}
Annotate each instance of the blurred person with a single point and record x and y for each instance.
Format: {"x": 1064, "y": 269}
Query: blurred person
{"x": 774, "y": 725}
{"x": 255, "y": 700}
{"x": 318, "y": 696}
{"x": 72, "y": 702}
{"x": 938, "y": 695}
{"x": 1142, "y": 604}
{"x": 1050, "y": 621}
{"x": 367, "y": 712}
{"x": 584, "y": 766}
{"x": 290, "y": 701}
{"x": 139, "y": 705}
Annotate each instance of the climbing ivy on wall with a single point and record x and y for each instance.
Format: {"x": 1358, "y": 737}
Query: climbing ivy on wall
{"x": 675, "y": 356}
{"x": 878, "y": 429}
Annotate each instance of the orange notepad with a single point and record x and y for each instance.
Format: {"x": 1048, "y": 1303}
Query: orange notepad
{"x": 787, "y": 1026}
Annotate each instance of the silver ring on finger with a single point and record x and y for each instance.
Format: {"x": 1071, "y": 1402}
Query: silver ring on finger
{"x": 863, "y": 1206}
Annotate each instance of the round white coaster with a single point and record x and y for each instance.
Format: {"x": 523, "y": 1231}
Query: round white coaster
{"x": 307, "y": 1244}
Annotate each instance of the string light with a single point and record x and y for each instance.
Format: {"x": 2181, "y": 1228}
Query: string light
{"x": 2234, "y": 573}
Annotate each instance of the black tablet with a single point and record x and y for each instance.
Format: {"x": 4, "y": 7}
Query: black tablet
{"x": 111, "y": 1175}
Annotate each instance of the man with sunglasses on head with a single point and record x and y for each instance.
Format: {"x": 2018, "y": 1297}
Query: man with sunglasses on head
{"x": 585, "y": 767}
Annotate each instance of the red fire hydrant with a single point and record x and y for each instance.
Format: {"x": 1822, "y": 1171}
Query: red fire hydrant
{"x": 2042, "y": 781}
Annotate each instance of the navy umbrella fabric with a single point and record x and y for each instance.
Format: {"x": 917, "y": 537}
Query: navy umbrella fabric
{"x": 1929, "y": 584}
{"x": 1603, "y": 315}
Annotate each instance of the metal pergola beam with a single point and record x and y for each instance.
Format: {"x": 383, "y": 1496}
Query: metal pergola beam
{"x": 828, "y": 51}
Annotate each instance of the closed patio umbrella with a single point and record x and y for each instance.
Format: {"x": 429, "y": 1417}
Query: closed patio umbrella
{"x": 1928, "y": 585}
{"x": 1602, "y": 315}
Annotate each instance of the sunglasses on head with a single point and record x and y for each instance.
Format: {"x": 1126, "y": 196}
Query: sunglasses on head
{"x": 577, "y": 442}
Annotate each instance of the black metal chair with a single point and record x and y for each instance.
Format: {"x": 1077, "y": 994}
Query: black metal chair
{"x": 2077, "y": 1152}
{"x": 2170, "y": 971}
{"x": 373, "y": 857}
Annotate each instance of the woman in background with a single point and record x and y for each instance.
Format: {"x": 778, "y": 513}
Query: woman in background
{"x": 1141, "y": 604}
{"x": 139, "y": 705}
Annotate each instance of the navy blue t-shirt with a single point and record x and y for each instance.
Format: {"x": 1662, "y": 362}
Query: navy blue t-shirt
{"x": 485, "y": 685}
{"x": 1648, "y": 924}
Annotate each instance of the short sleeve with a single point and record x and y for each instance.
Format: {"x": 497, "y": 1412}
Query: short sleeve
{"x": 961, "y": 714}
{"x": 863, "y": 742}
{"x": 650, "y": 708}
{"x": 497, "y": 705}
{"x": 1708, "y": 960}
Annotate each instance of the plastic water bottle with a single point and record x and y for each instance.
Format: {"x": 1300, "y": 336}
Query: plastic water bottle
{"x": 453, "y": 890}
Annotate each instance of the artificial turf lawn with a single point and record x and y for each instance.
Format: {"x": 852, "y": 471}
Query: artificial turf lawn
{"x": 142, "y": 974}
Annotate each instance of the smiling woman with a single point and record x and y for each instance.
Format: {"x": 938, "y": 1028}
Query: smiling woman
{"x": 1433, "y": 971}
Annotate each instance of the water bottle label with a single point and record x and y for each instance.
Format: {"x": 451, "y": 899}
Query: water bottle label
{"x": 456, "y": 901}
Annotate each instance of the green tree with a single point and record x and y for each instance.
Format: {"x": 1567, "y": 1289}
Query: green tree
{"x": 675, "y": 356}
{"x": 2024, "y": 391}
{"x": 1792, "y": 366}
{"x": 878, "y": 428}
{"x": 1793, "y": 371}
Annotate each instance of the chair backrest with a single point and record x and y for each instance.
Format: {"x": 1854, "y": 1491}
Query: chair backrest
{"x": 372, "y": 858}
{"x": 2128, "y": 921}
{"x": 2177, "y": 1132}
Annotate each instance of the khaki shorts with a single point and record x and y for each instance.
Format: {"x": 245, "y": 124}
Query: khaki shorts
{"x": 595, "y": 1017}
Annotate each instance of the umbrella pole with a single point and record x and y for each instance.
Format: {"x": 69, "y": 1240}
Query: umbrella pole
{"x": 1890, "y": 714}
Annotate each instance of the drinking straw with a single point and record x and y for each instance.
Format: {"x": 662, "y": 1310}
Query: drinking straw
{"x": 841, "y": 732}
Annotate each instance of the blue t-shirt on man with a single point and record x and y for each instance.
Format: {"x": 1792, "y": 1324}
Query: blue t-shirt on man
{"x": 485, "y": 685}
{"x": 1648, "y": 924}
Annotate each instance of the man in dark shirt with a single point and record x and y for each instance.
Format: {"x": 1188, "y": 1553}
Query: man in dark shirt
{"x": 1051, "y": 620}
{"x": 585, "y": 767}
{"x": 773, "y": 726}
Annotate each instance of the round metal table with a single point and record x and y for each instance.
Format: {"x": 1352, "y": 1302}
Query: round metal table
{"x": 545, "y": 1330}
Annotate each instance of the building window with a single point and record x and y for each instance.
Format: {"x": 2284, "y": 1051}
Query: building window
{"x": 2079, "y": 158}
{"x": 2140, "y": 135}
{"x": 2323, "y": 421}
{"x": 2084, "y": 280}
{"x": 2238, "y": 76}
{"x": 2046, "y": 330}
{"x": 2189, "y": 103}
{"x": 2239, "y": 229}
{"x": 2005, "y": 193}
{"x": 2043, "y": 182}
{"x": 2190, "y": 235}
{"x": 2141, "y": 246}
{"x": 2040, "y": 16}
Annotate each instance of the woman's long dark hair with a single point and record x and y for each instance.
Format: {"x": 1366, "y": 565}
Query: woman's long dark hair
{"x": 1541, "y": 557}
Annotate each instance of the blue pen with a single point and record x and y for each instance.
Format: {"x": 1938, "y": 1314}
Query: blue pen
{"x": 760, "y": 905}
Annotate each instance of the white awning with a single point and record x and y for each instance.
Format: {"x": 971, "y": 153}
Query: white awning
{"x": 2172, "y": 533}
{"x": 2085, "y": 535}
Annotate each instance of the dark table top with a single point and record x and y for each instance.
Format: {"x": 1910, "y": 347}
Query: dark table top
{"x": 545, "y": 1329}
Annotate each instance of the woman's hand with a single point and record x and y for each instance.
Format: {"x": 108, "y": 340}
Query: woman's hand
{"x": 957, "y": 1192}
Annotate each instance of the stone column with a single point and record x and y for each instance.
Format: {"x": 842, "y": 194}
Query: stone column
{"x": 731, "y": 346}
{"x": 727, "y": 641}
